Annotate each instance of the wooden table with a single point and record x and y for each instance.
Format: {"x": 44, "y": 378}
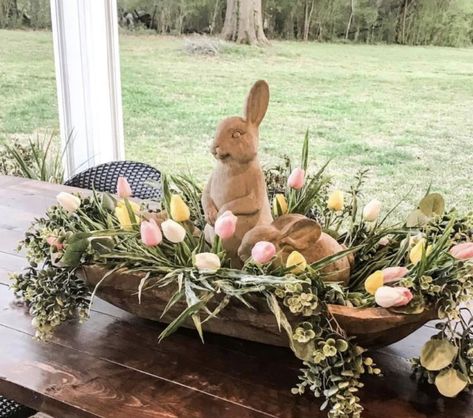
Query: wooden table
{"x": 113, "y": 366}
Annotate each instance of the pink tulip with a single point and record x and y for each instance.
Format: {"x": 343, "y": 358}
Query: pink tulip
{"x": 150, "y": 233}
{"x": 263, "y": 251}
{"x": 54, "y": 242}
{"x": 123, "y": 188}
{"x": 296, "y": 179}
{"x": 392, "y": 274}
{"x": 225, "y": 225}
{"x": 388, "y": 297}
{"x": 462, "y": 251}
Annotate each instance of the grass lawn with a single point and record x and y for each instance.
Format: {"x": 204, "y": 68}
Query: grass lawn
{"x": 406, "y": 113}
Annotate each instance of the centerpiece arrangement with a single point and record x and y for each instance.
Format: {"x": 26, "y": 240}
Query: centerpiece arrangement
{"x": 278, "y": 256}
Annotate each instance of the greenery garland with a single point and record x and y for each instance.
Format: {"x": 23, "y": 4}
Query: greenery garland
{"x": 101, "y": 229}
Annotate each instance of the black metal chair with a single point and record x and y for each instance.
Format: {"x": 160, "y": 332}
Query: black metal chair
{"x": 104, "y": 178}
{"x": 11, "y": 409}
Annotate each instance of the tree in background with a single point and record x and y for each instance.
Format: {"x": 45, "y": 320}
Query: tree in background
{"x": 244, "y": 22}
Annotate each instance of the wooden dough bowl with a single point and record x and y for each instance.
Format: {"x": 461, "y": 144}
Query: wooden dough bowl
{"x": 373, "y": 327}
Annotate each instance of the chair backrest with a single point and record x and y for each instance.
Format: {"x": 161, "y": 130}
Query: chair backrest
{"x": 104, "y": 178}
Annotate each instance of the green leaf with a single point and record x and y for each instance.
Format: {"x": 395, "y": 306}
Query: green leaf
{"x": 450, "y": 382}
{"x": 432, "y": 204}
{"x": 437, "y": 354}
{"x": 183, "y": 316}
{"x": 305, "y": 151}
{"x": 304, "y": 351}
{"x": 141, "y": 285}
{"x": 198, "y": 326}
{"x": 416, "y": 218}
{"x": 108, "y": 202}
{"x": 73, "y": 252}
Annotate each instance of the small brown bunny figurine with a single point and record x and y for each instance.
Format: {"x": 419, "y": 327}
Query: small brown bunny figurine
{"x": 294, "y": 232}
{"x": 237, "y": 182}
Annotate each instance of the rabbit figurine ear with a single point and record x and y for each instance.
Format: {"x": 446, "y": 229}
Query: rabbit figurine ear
{"x": 301, "y": 235}
{"x": 257, "y": 103}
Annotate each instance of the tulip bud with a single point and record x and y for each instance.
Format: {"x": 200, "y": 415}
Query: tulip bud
{"x": 263, "y": 252}
{"x": 384, "y": 241}
{"x": 68, "y": 201}
{"x": 280, "y": 206}
{"x": 374, "y": 282}
{"x": 388, "y": 297}
{"x": 123, "y": 188}
{"x": 415, "y": 255}
{"x": 150, "y": 233}
{"x": 173, "y": 231}
{"x": 207, "y": 261}
{"x": 392, "y": 274}
{"x": 54, "y": 242}
{"x": 296, "y": 179}
{"x": 297, "y": 261}
{"x": 179, "y": 210}
{"x": 462, "y": 251}
{"x": 225, "y": 225}
{"x": 335, "y": 201}
{"x": 121, "y": 212}
{"x": 371, "y": 210}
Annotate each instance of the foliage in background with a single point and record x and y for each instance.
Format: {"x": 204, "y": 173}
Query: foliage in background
{"x": 37, "y": 159}
{"x": 410, "y": 22}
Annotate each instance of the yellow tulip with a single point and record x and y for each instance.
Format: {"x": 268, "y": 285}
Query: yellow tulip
{"x": 297, "y": 261}
{"x": 280, "y": 205}
{"x": 121, "y": 212}
{"x": 335, "y": 201}
{"x": 179, "y": 210}
{"x": 415, "y": 255}
{"x": 374, "y": 282}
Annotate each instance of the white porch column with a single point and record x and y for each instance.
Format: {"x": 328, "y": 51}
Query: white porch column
{"x": 87, "y": 61}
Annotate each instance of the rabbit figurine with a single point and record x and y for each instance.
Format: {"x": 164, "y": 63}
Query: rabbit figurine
{"x": 294, "y": 232}
{"x": 237, "y": 183}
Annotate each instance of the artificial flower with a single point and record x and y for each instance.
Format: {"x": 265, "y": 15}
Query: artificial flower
{"x": 297, "y": 261}
{"x": 173, "y": 231}
{"x": 123, "y": 188}
{"x": 463, "y": 251}
{"x": 388, "y": 297}
{"x": 207, "y": 261}
{"x": 225, "y": 225}
{"x": 335, "y": 201}
{"x": 121, "y": 212}
{"x": 263, "y": 252}
{"x": 150, "y": 233}
{"x": 392, "y": 274}
{"x": 296, "y": 178}
{"x": 179, "y": 210}
{"x": 54, "y": 242}
{"x": 68, "y": 201}
{"x": 415, "y": 255}
{"x": 374, "y": 282}
{"x": 384, "y": 241}
{"x": 371, "y": 210}
{"x": 280, "y": 206}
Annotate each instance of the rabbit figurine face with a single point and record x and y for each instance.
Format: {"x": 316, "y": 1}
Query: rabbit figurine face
{"x": 294, "y": 232}
{"x": 237, "y": 182}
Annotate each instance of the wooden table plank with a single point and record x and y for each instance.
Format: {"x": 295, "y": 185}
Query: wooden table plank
{"x": 75, "y": 384}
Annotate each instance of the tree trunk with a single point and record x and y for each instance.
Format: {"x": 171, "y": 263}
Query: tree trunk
{"x": 244, "y": 22}
{"x": 308, "y": 18}
{"x": 350, "y": 20}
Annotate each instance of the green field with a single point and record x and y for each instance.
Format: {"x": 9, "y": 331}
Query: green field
{"x": 406, "y": 113}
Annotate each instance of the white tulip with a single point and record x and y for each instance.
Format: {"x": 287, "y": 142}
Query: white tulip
{"x": 371, "y": 210}
{"x": 68, "y": 201}
{"x": 207, "y": 261}
{"x": 173, "y": 231}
